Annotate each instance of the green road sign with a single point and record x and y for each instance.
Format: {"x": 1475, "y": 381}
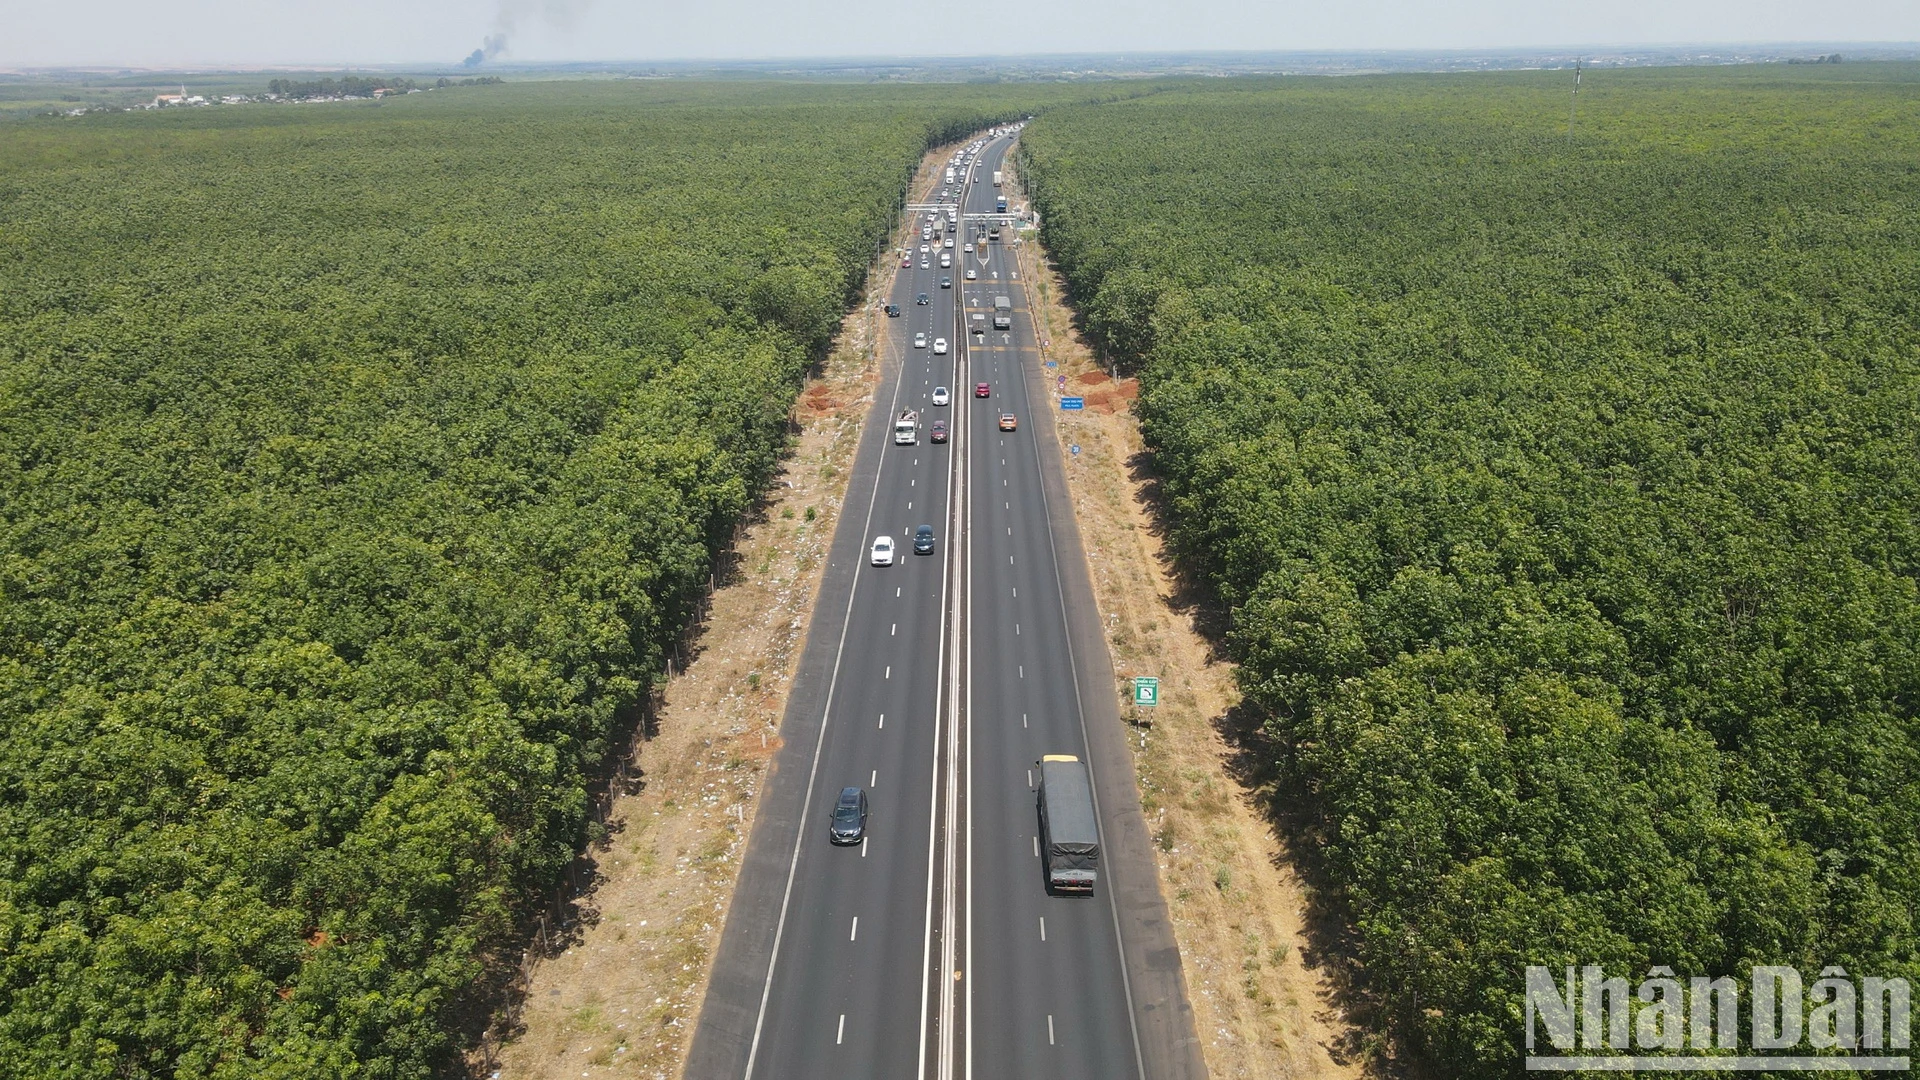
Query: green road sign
{"x": 1146, "y": 690}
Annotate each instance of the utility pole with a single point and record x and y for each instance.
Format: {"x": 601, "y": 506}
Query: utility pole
{"x": 1575, "y": 107}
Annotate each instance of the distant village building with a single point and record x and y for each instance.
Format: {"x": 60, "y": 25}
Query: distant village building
{"x": 161, "y": 101}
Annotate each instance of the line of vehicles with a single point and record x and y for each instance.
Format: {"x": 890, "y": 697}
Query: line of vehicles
{"x": 906, "y": 426}
{"x": 1002, "y": 316}
{"x": 881, "y": 554}
{"x": 1069, "y": 837}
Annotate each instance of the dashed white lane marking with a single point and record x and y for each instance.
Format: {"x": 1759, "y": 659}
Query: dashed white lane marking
{"x": 1023, "y": 723}
{"x": 1049, "y": 1029}
{"x": 1030, "y": 784}
{"x": 895, "y": 631}
{"x": 1036, "y": 840}
{"x": 1009, "y": 530}
{"x": 896, "y": 591}
{"x": 1043, "y": 919}
{"x": 841, "y": 1035}
{"x": 863, "y": 847}
{"x": 889, "y": 673}
{"x": 1016, "y": 590}
{"x": 874, "y": 780}
{"x": 1016, "y": 629}
{"x": 855, "y": 935}
{"x": 1023, "y": 671}
{"x": 1009, "y": 560}
{"x": 883, "y": 720}
{"x": 1007, "y": 506}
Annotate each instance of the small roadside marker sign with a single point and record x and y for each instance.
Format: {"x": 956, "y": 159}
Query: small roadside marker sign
{"x": 1146, "y": 691}
{"x": 1073, "y": 403}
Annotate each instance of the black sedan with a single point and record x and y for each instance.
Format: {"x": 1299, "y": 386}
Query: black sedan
{"x": 850, "y": 816}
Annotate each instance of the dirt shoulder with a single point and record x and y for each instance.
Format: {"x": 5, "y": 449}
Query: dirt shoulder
{"x": 623, "y": 997}
{"x": 1263, "y": 1007}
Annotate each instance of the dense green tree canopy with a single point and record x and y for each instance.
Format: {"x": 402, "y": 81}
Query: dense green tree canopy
{"x": 1565, "y": 491}
{"x": 356, "y": 463}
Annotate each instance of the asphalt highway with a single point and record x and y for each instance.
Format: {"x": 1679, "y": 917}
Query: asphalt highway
{"x": 932, "y": 949}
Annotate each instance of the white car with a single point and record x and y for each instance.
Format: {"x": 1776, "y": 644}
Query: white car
{"x": 971, "y": 274}
{"x": 939, "y": 346}
{"x": 949, "y": 241}
{"x": 940, "y": 394}
{"x": 925, "y": 248}
{"x": 919, "y": 341}
{"x": 883, "y": 551}
{"x": 969, "y": 247}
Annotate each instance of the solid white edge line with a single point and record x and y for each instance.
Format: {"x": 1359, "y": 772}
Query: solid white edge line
{"x": 819, "y": 743}
{"x": 1079, "y": 707}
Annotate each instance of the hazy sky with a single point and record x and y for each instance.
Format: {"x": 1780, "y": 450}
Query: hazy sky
{"x": 163, "y": 33}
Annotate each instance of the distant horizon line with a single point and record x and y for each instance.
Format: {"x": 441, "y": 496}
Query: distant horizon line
{"x": 1569, "y": 51}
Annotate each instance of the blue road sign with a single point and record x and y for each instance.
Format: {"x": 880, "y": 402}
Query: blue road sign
{"x": 1073, "y": 403}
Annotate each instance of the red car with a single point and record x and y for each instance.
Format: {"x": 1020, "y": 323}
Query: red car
{"x": 981, "y": 390}
{"x": 907, "y": 262}
{"x": 939, "y": 431}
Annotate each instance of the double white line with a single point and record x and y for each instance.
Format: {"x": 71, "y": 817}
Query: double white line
{"x": 949, "y": 973}
{"x": 949, "y": 716}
